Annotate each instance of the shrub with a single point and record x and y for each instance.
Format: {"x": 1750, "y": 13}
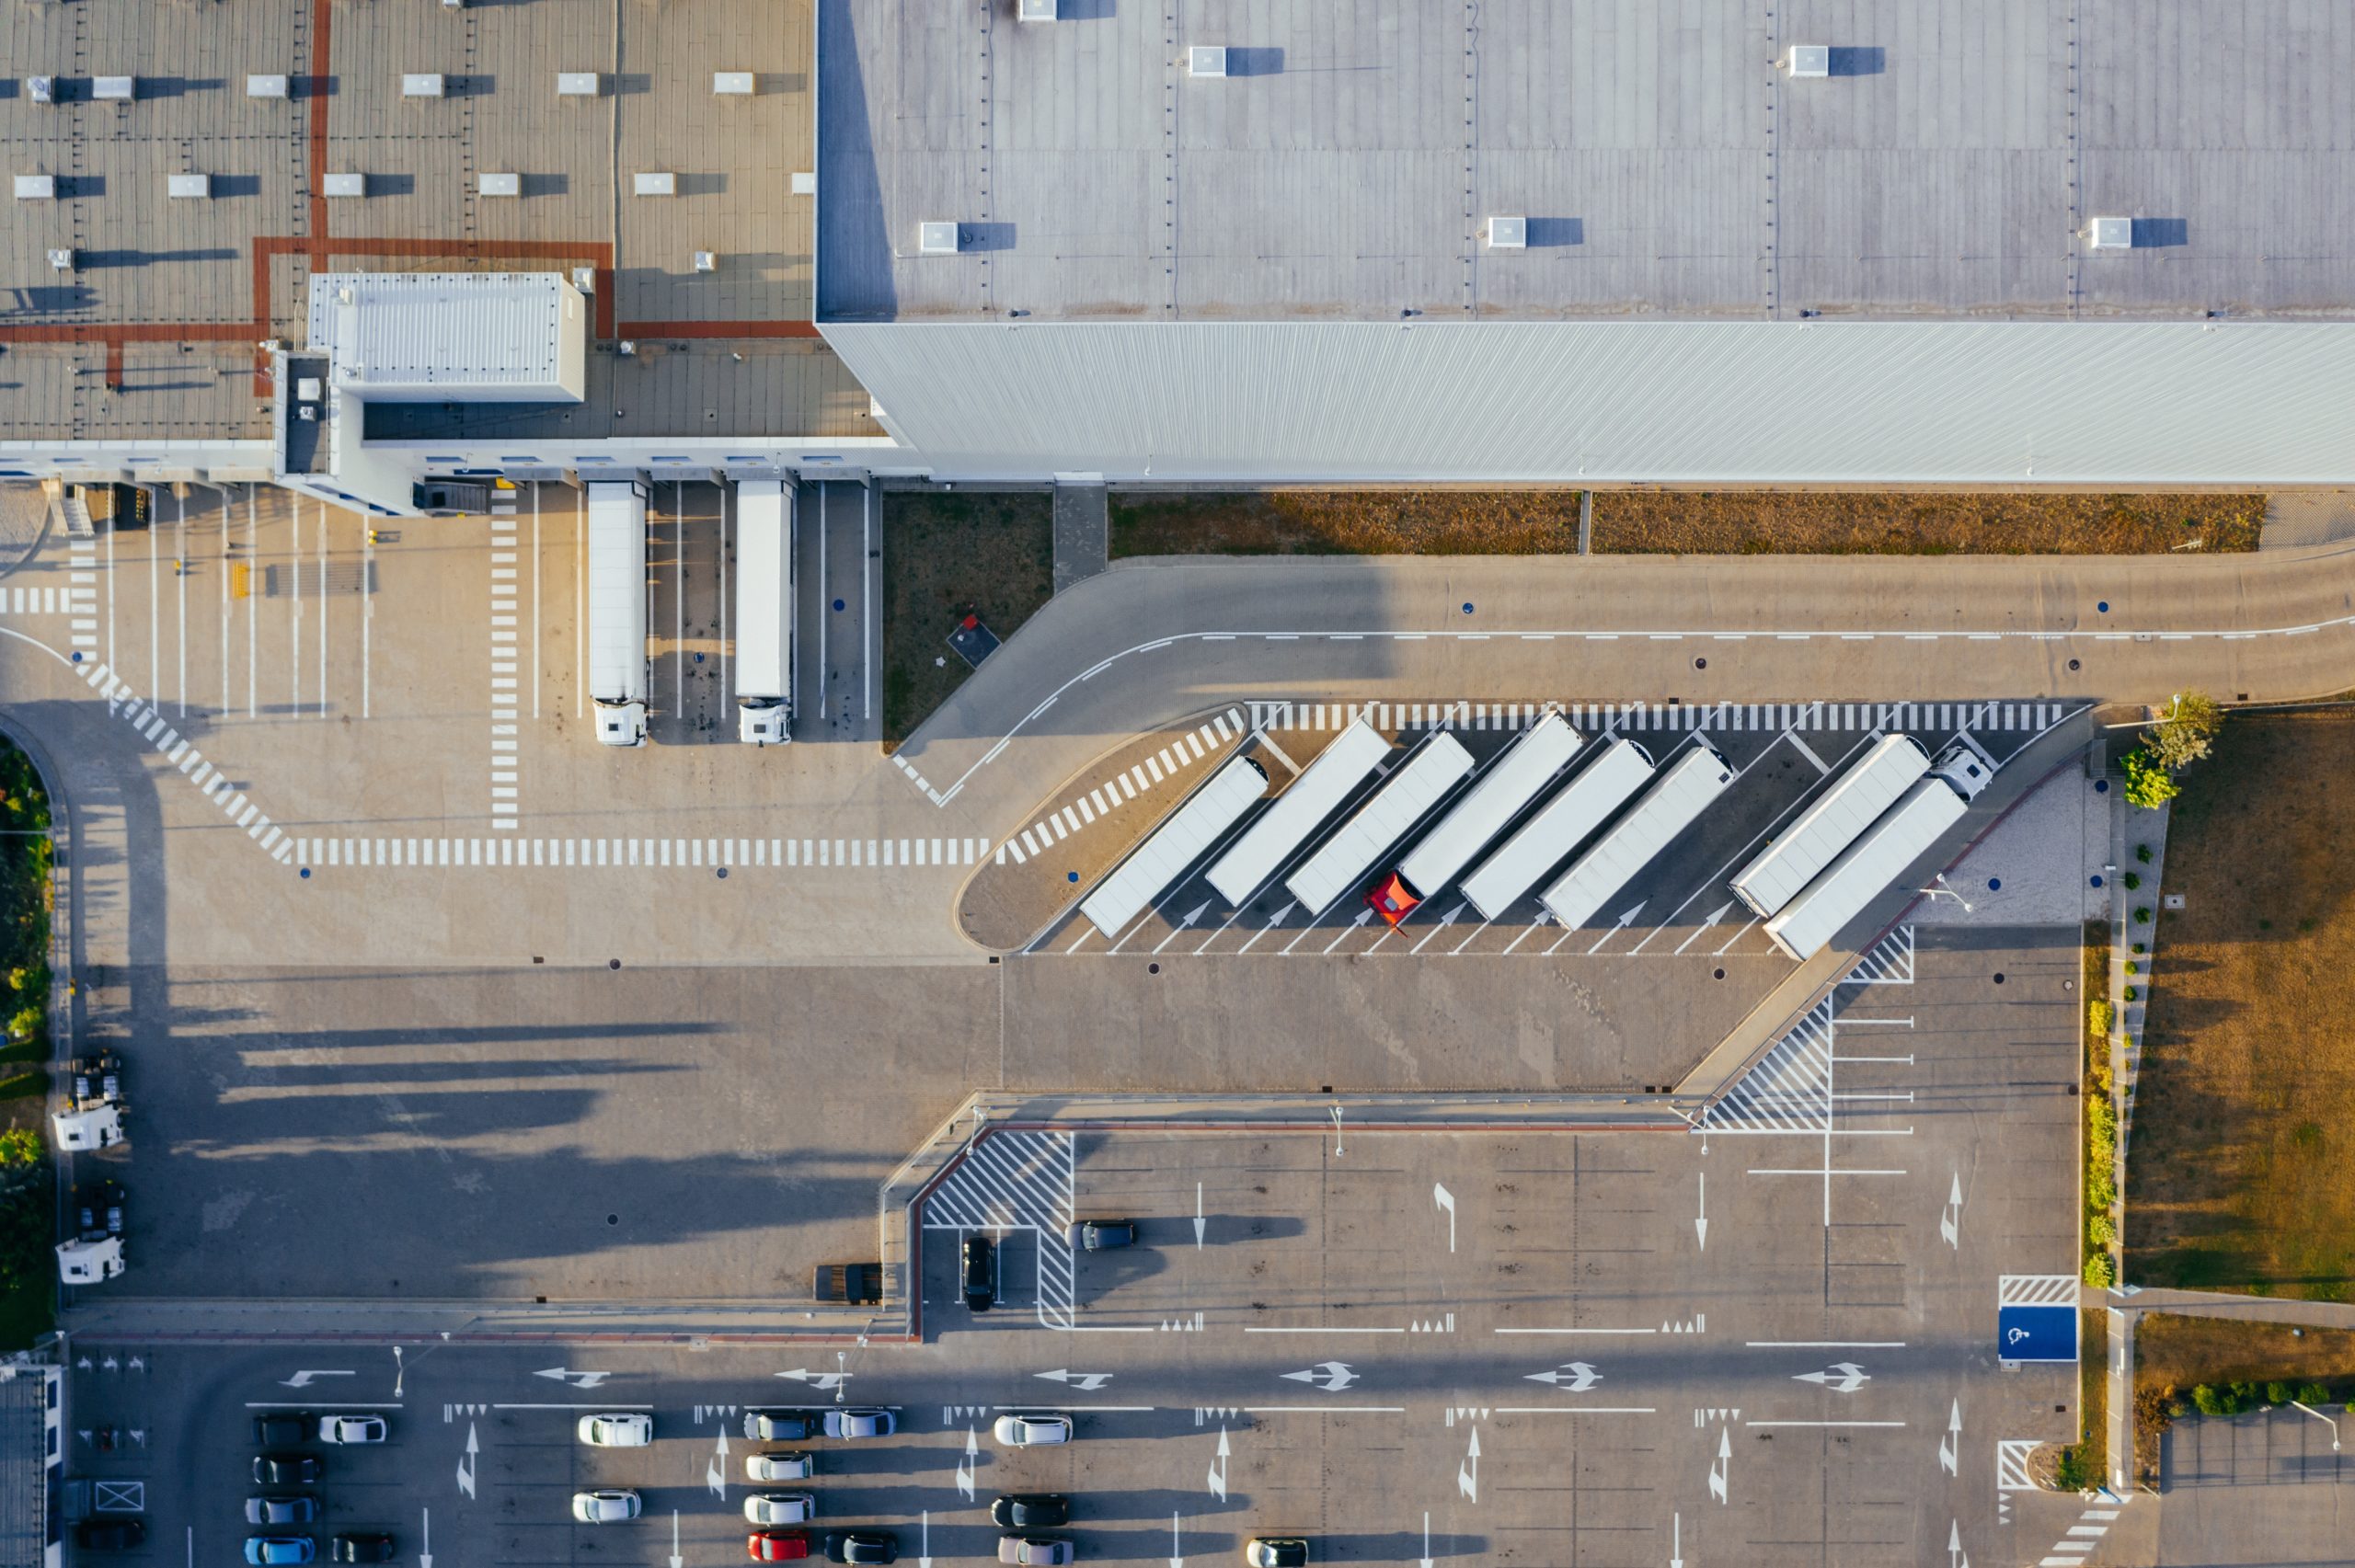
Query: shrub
{"x": 20, "y": 1146}
{"x": 2148, "y": 784}
{"x": 2142, "y": 914}
{"x": 2132, "y": 967}
{"x": 25, "y": 1023}
{"x": 2099, "y": 1231}
{"x": 2134, "y": 995}
{"x": 2100, "y": 1273}
{"x": 2211, "y": 1401}
{"x": 2143, "y": 854}
{"x": 2141, "y": 948}
{"x": 2072, "y": 1472}
{"x": 2276, "y": 1393}
{"x": 2099, "y": 1016}
{"x": 2132, "y": 882}
{"x": 2312, "y": 1394}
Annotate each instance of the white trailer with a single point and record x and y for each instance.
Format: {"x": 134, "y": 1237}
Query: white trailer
{"x": 1616, "y": 771}
{"x": 1184, "y": 838}
{"x": 1866, "y": 788}
{"x": 1438, "y": 765}
{"x": 763, "y": 612}
{"x": 617, "y": 609}
{"x": 1904, "y": 834}
{"x": 1253, "y": 858}
{"x": 1684, "y": 789}
{"x": 1510, "y": 784}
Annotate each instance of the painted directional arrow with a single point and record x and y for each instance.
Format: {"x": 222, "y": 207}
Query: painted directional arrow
{"x": 676, "y": 1560}
{"x": 466, "y": 1463}
{"x": 1426, "y": 1561}
{"x": 1330, "y": 1376}
{"x": 566, "y": 1375}
{"x": 1218, "y": 1471}
{"x": 1185, "y": 924}
{"x": 715, "y": 1473}
{"x": 1445, "y": 1199}
{"x": 1954, "y": 1558}
{"x": 1467, "y": 1474}
{"x": 1721, "y": 1472}
{"x": 1273, "y": 920}
{"x": 1715, "y": 916}
{"x": 1950, "y": 1446}
{"x": 303, "y": 1380}
{"x": 965, "y": 1465}
{"x": 1625, "y": 921}
{"x": 1840, "y": 1378}
{"x": 1177, "y": 1555}
{"x": 1676, "y": 1541}
{"x": 425, "y": 1540}
{"x": 1950, "y": 1218}
{"x": 1085, "y": 1382}
{"x": 1701, "y": 1220}
{"x": 1579, "y": 1375}
{"x": 1363, "y": 916}
{"x": 924, "y": 1539}
{"x": 1445, "y": 921}
{"x": 1200, "y": 1224}
{"x": 815, "y": 1380}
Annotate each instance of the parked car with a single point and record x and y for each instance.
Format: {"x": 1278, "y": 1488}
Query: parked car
{"x": 365, "y": 1547}
{"x": 287, "y": 1470}
{"x": 1281, "y": 1552}
{"x": 780, "y": 1509}
{"x": 978, "y": 1257}
{"x": 286, "y": 1426}
{"x": 856, "y": 1422}
{"x": 1032, "y": 1431}
{"x": 623, "y": 1429}
{"x": 1101, "y": 1235}
{"x": 268, "y": 1550}
{"x": 1031, "y": 1510}
{"x": 299, "y": 1509}
{"x": 1034, "y": 1550}
{"x": 850, "y": 1284}
{"x": 780, "y": 1467}
{"x": 780, "y": 1425}
{"x": 353, "y": 1429}
{"x": 776, "y": 1546}
{"x": 604, "y": 1507}
{"x": 112, "y": 1533}
{"x": 862, "y": 1546}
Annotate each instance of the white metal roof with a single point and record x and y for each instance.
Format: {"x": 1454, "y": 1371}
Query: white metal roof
{"x": 1437, "y": 766}
{"x": 504, "y": 336}
{"x": 1676, "y": 800}
{"x": 1867, "y": 787}
{"x": 1184, "y": 838}
{"x": 1865, "y": 868}
{"x": 1510, "y": 784}
{"x": 1245, "y": 868}
{"x": 1614, "y": 770}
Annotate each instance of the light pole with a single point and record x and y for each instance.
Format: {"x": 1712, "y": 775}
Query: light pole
{"x": 1945, "y": 890}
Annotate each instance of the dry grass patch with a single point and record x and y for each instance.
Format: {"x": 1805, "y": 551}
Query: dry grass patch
{"x": 2240, "y": 1163}
{"x": 1345, "y": 523}
{"x": 2175, "y": 1355}
{"x": 1862, "y": 523}
{"x": 950, "y": 555}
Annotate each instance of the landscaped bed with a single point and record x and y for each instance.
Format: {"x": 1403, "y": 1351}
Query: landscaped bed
{"x": 2241, "y": 1162}
{"x": 952, "y": 554}
{"x": 1345, "y": 523}
{"x": 28, "y": 1185}
{"x": 2186, "y": 1365}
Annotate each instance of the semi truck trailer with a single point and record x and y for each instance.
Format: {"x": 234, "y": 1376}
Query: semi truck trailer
{"x": 1679, "y": 793}
{"x": 1797, "y": 855}
{"x": 1183, "y": 838}
{"x": 617, "y": 609}
{"x": 1614, "y": 770}
{"x": 1901, "y": 835}
{"x": 1415, "y": 786}
{"x": 1511, "y": 782}
{"x": 764, "y": 612}
{"x": 1261, "y": 850}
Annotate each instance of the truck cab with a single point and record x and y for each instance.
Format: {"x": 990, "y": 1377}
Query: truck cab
{"x": 1962, "y": 766}
{"x": 763, "y": 721}
{"x": 621, "y": 724}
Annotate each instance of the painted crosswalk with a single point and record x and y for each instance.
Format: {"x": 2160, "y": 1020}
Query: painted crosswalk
{"x": 77, "y": 599}
{"x": 506, "y": 767}
{"x": 1672, "y": 715}
{"x": 375, "y": 852}
{"x": 147, "y": 721}
{"x": 1170, "y": 768}
{"x": 2073, "y": 1549}
{"x": 1016, "y": 1181}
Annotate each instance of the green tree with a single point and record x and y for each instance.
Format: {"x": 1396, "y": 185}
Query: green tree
{"x": 2148, "y": 784}
{"x": 2276, "y": 1393}
{"x": 2187, "y": 732}
{"x": 2313, "y": 1393}
{"x": 2100, "y": 1273}
{"x": 20, "y": 1146}
{"x": 2208, "y": 1401}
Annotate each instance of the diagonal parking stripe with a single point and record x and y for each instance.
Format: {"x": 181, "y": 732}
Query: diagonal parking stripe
{"x": 1790, "y": 1088}
{"x": 1016, "y": 1181}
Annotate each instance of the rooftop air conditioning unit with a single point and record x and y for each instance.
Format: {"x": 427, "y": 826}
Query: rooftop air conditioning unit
{"x": 2112, "y": 233}
{"x": 422, "y": 85}
{"x": 654, "y": 183}
{"x": 585, "y": 280}
{"x": 499, "y": 183}
{"x": 62, "y": 259}
{"x": 346, "y": 185}
{"x": 707, "y": 261}
{"x": 114, "y": 89}
{"x": 579, "y": 84}
{"x": 805, "y": 182}
{"x": 190, "y": 187}
{"x": 1811, "y": 60}
{"x": 36, "y": 188}
{"x": 732, "y": 84}
{"x": 1206, "y": 59}
{"x": 1509, "y": 234}
{"x": 1035, "y": 11}
{"x": 41, "y": 89}
{"x": 936, "y": 239}
{"x": 265, "y": 86}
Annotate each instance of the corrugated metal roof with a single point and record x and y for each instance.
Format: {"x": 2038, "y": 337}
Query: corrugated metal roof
{"x": 448, "y": 334}
{"x": 2002, "y": 402}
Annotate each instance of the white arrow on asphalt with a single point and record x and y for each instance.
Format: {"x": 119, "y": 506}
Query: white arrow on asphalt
{"x": 1427, "y": 1542}
{"x": 1330, "y": 1376}
{"x": 1085, "y": 1382}
{"x": 1701, "y": 1221}
{"x": 1177, "y": 1556}
{"x": 1273, "y": 920}
{"x": 1950, "y": 1446}
{"x": 815, "y": 1380}
{"x": 1676, "y": 1541}
{"x": 924, "y": 1537}
{"x": 1200, "y": 1224}
{"x": 1580, "y": 1376}
{"x": 1467, "y": 1474}
{"x": 676, "y": 1560}
{"x": 425, "y": 1540}
{"x": 1445, "y": 921}
{"x": 1363, "y": 916}
{"x": 566, "y": 1375}
{"x": 1218, "y": 1471}
{"x": 303, "y": 1380}
{"x": 714, "y": 1474}
{"x": 1720, "y": 1474}
{"x": 1185, "y": 924}
{"x": 1950, "y": 1218}
{"x": 1625, "y": 922}
{"x": 466, "y": 1463}
{"x": 965, "y": 1465}
{"x": 1955, "y": 1559}
{"x": 1840, "y": 1378}
{"x": 1446, "y": 1200}
{"x": 1715, "y": 916}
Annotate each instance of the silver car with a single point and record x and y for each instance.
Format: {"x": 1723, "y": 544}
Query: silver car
{"x": 780, "y": 1467}
{"x": 780, "y": 1509}
{"x": 1034, "y": 1550}
{"x": 605, "y": 1507}
{"x": 858, "y": 1422}
{"x": 1032, "y": 1431}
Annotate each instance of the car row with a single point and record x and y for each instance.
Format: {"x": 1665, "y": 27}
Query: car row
{"x": 277, "y": 1467}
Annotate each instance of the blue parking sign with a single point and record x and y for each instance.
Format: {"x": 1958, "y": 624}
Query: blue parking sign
{"x": 2036, "y": 1334}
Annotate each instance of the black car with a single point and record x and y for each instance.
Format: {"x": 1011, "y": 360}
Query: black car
{"x": 286, "y": 1470}
{"x": 286, "y": 1426}
{"x": 861, "y": 1546}
{"x": 1101, "y": 1235}
{"x": 365, "y": 1547}
{"x": 980, "y": 1258}
{"x": 782, "y": 1425}
{"x": 109, "y": 1534}
{"x": 300, "y": 1509}
{"x": 1024, "y": 1510}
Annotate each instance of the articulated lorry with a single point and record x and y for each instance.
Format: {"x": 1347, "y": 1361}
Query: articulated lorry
{"x": 764, "y": 612}
{"x": 1415, "y": 786}
{"x": 1261, "y": 851}
{"x": 1901, "y": 835}
{"x": 1679, "y": 792}
{"x": 617, "y": 609}
{"x": 1155, "y": 866}
{"x": 1510, "y": 784}
{"x": 1614, "y": 770}
{"x": 1855, "y": 799}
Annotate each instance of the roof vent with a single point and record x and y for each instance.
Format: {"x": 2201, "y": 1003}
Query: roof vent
{"x": 265, "y": 86}
{"x": 498, "y": 185}
{"x": 1509, "y": 234}
{"x": 805, "y": 182}
{"x": 654, "y": 183}
{"x": 36, "y": 188}
{"x": 2112, "y": 233}
{"x": 936, "y": 239}
{"x": 41, "y": 89}
{"x": 1206, "y": 59}
{"x": 707, "y": 261}
{"x": 194, "y": 187}
{"x": 1811, "y": 60}
{"x": 579, "y": 84}
{"x": 62, "y": 259}
{"x": 732, "y": 84}
{"x": 114, "y": 89}
{"x": 585, "y": 280}
{"x": 346, "y": 185}
{"x": 1035, "y": 11}
{"x": 423, "y": 85}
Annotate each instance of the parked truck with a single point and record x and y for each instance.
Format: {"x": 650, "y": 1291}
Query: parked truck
{"x": 764, "y": 612}
{"x": 1902, "y": 834}
{"x": 1403, "y": 799}
{"x": 1155, "y": 867}
{"x": 1615, "y": 770}
{"x": 1510, "y": 784}
{"x": 1680, "y": 792}
{"x": 617, "y": 609}
{"x": 1855, "y": 799}
{"x": 1261, "y": 851}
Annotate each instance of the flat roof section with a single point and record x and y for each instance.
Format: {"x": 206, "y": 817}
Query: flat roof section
{"x": 1664, "y": 161}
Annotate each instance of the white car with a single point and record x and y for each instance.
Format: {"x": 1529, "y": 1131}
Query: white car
{"x": 1032, "y": 1431}
{"x": 622, "y": 1429}
{"x": 860, "y": 1422}
{"x": 604, "y": 1507}
{"x": 352, "y": 1429}
{"x": 780, "y": 1509}
{"x": 780, "y": 1467}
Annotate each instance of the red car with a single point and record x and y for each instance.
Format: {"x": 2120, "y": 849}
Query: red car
{"x": 776, "y": 1546}
{"x": 1391, "y": 901}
